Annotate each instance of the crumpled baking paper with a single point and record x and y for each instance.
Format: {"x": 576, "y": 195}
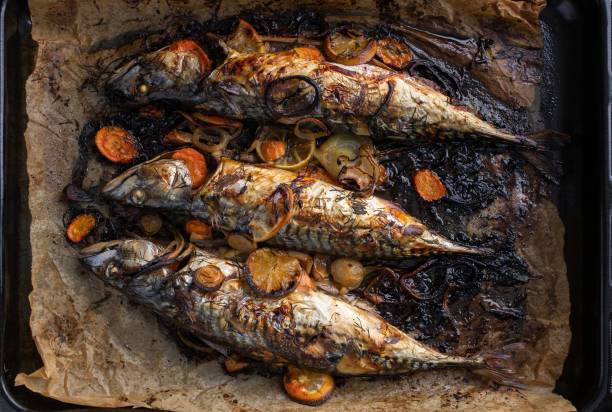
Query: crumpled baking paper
{"x": 99, "y": 349}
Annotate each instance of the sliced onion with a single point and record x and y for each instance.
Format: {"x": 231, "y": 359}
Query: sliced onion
{"x": 311, "y": 129}
{"x": 338, "y": 150}
{"x": 200, "y": 134}
{"x": 292, "y": 96}
{"x": 273, "y": 215}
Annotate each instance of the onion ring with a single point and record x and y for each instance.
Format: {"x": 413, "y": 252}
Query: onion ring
{"x": 275, "y": 88}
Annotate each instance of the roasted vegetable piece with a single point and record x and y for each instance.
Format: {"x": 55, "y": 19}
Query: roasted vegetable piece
{"x": 394, "y": 53}
{"x": 273, "y": 214}
{"x": 348, "y": 273}
{"x": 80, "y": 227}
{"x": 231, "y": 126}
{"x": 241, "y": 242}
{"x": 150, "y": 224}
{"x": 176, "y": 136}
{"x": 190, "y": 46}
{"x": 308, "y": 387}
{"x": 245, "y": 39}
{"x": 304, "y": 258}
{"x": 349, "y": 46}
{"x": 208, "y": 278}
{"x": 235, "y": 364}
{"x": 116, "y": 144}
{"x": 271, "y": 150}
{"x": 198, "y": 230}
{"x": 196, "y": 163}
{"x": 320, "y": 267}
{"x": 311, "y": 129}
{"x": 428, "y": 185}
{"x": 363, "y": 173}
{"x": 311, "y": 53}
{"x": 272, "y": 273}
{"x": 275, "y": 148}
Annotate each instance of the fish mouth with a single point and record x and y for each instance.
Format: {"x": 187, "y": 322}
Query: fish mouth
{"x": 113, "y": 188}
{"x": 98, "y": 256}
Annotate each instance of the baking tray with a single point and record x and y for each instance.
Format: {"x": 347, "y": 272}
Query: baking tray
{"x": 576, "y": 97}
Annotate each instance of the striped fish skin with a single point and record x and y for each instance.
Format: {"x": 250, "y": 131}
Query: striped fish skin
{"x": 323, "y": 218}
{"x": 366, "y": 99}
{"x": 307, "y": 328}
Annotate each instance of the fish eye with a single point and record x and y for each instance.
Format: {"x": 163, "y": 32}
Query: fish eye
{"x": 143, "y": 88}
{"x": 138, "y": 196}
{"x": 112, "y": 269}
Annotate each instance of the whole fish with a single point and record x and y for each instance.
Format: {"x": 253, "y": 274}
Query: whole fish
{"x": 306, "y": 328}
{"x": 281, "y": 208}
{"x": 289, "y": 85}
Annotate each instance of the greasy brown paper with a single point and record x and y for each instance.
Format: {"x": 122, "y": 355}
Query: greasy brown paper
{"x": 99, "y": 349}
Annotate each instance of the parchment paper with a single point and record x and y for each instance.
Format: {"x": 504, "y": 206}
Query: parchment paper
{"x": 99, "y": 349}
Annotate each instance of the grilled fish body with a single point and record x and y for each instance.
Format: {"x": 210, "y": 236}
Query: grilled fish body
{"x": 366, "y": 99}
{"x": 306, "y": 328}
{"x": 300, "y": 213}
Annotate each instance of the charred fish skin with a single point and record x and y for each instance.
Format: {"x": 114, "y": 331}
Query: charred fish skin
{"x": 239, "y": 198}
{"x": 307, "y": 328}
{"x": 366, "y": 99}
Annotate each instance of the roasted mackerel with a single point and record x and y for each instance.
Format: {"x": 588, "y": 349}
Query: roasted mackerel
{"x": 281, "y": 208}
{"x": 306, "y": 328}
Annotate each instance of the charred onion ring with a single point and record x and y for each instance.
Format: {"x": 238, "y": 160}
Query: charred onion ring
{"x": 280, "y": 205}
{"x": 285, "y": 96}
{"x": 383, "y": 106}
{"x": 311, "y": 129}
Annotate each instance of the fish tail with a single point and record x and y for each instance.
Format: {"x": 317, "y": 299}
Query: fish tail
{"x": 500, "y": 365}
{"x": 546, "y": 139}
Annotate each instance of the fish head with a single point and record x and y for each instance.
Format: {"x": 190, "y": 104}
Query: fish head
{"x": 127, "y": 265}
{"x": 116, "y": 259}
{"x": 171, "y": 74}
{"x": 159, "y": 183}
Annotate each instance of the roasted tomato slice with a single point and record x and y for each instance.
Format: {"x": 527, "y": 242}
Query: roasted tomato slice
{"x": 272, "y": 273}
{"x": 349, "y": 46}
{"x": 308, "y": 387}
{"x": 394, "y": 53}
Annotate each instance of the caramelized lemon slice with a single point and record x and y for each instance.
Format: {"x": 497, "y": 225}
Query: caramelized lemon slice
{"x": 308, "y": 387}
{"x": 272, "y": 273}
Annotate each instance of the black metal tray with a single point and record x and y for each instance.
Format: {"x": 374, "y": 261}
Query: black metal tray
{"x": 577, "y": 97}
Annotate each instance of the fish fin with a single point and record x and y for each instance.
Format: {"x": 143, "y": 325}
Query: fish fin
{"x": 499, "y": 365}
{"x": 546, "y": 139}
{"x": 544, "y": 163}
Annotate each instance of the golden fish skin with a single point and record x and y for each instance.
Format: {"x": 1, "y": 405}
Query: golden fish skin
{"x": 307, "y": 327}
{"x": 324, "y": 218}
{"x": 366, "y": 99}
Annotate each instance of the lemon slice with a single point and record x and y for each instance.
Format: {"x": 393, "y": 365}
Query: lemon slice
{"x": 278, "y": 150}
{"x": 272, "y": 273}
